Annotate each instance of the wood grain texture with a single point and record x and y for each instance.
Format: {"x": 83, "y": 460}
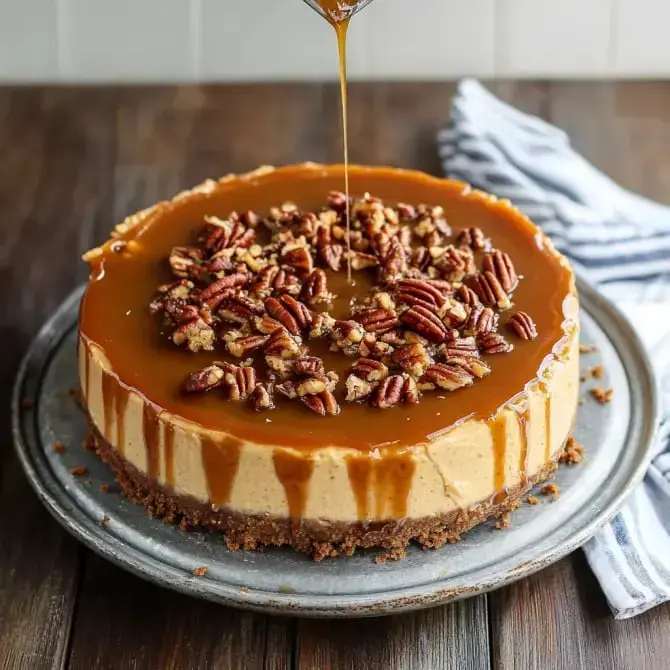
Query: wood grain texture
{"x": 75, "y": 161}
{"x": 54, "y": 176}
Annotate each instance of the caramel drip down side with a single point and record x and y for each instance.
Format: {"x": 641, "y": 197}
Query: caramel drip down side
{"x": 499, "y": 444}
{"x": 87, "y": 369}
{"x": 294, "y": 473}
{"x": 360, "y": 478}
{"x": 108, "y": 404}
{"x": 393, "y": 481}
{"x": 120, "y": 404}
{"x": 523, "y": 419}
{"x": 169, "y": 453}
{"x": 221, "y": 460}
{"x": 547, "y": 425}
{"x": 151, "y": 432}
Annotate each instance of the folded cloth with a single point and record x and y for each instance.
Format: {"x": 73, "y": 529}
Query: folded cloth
{"x": 621, "y": 243}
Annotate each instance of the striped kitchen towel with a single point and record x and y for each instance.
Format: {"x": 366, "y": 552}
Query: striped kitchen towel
{"x": 622, "y": 243}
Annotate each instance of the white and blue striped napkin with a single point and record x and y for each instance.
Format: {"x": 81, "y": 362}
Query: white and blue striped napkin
{"x": 622, "y": 243}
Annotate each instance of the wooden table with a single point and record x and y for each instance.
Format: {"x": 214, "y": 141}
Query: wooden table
{"x": 73, "y": 162}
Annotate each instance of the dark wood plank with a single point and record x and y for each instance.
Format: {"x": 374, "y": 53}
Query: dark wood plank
{"x": 444, "y": 637}
{"x": 54, "y": 178}
{"x": 559, "y": 618}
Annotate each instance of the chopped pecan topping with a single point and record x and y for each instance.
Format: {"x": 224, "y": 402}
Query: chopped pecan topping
{"x": 455, "y": 314}
{"x": 480, "y": 320}
{"x": 357, "y": 388}
{"x": 200, "y": 381}
{"x": 275, "y": 280}
{"x": 453, "y": 263}
{"x": 315, "y": 289}
{"x": 331, "y": 255}
{"x": 493, "y": 343}
{"x": 425, "y": 323}
{"x": 186, "y": 261}
{"x": 361, "y": 261}
{"x": 459, "y": 347}
{"x": 323, "y": 403}
{"x": 322, "y": 324}
{"x": 347, "y": 333}
{"x": 447, "y": 377}
{"x": 467, "y": 296}
{"x": 418, "y": 292}
{"x": 240, "y": 309}
{"x": 266, "y": 324}
{"x": 282, "y": 344}
{"x": 227, "y": 234}
{"x": 262, "y": 398}
{"x": 222, "y": 288}
{"x": 523, "y": 326}
{"x": 309, "y": 366}
{"x": 490, "y": 290}
{"x": 411, "y": 358}
{"x": 500, "y": 264}
{"x": 369, "y": 370}
{"x": 473, "y": 238}
{"x": 195, "y": 334}
{"x": 394, "y": 261}
{"x": 243, "y": 346}
{"x": 299, "y": 259}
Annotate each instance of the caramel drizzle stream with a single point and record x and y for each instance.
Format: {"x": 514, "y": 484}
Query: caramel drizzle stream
{"x": 499, "y": 444}
{"x": 523, "y": 418}
{"x": 393, "y": 480}
{"x": 168, "y": 434}
{"x": 360, "y": 478}
{"x": 547, "y": 425}
{"x": 221, "y": 459}
{"x": 294, "y": 473}
{"x": 151, "y": 432}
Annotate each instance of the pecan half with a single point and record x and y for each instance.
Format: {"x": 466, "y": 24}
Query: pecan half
{"x": 455, "y": 314}
{"x": 262, "y": 398}
{"x": 480, "y": 320}
{"x": 315, "y": 289}
{"x": 283, "y": 367}
{"x": 412, "y": 358}
{"x": 275, "y": 280}
{"x": 309, "y": 366}
{"x": 447, "y": 377}
{"x": 393, "y": 390}
{"x": 523, "y": 326}
{"x": 475, "y": 366}
{"x": 200, "y": 381}
{"x": 291, "y": 313}
{"x": 186, "y": 261}
{"x": 240, "y": 381}
{"x": 299, "y": 258}
{"x": 331, "y": 255}
{"x": 453, "y": 263}
{"x": 394, "y": 261}
{"x": 316, "y": 384}
{"x": 369, "y": 370}
{"x": 239, "y": 309}
{"x": 490, "y": 290}
{"x": 280, "y": 343}
{"x": 357, "y": 388}
{"x": 222, "y": 288}
{"x": 418, "y": 292}
{"x": 266, "y": 324}
{"x": 467, "y": 296}
{"x": 362, "y": 261}
{"x": 324, "y": 403}
{"x": 473, "y": 238}
{"x": 195, "y": 334}
{"x": 425, "y": 323}
{"x": 500, "y": 264}
{"x": 459, "y": 347}
{"x": 227, "y": 234}
{"x": 493, "y": 343}
{"x": 322, "y": 324}
{"x": 243, "y": 346}
{"x": 345, "y": 334}
{"x": 377, "y": 320}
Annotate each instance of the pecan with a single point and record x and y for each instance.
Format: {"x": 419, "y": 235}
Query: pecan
{"x": 490, "y": 290}
{"x": 420, "y": 258}
{"x": 186, "y": 261}
{"x": 418, "y": 292}
{"x": 227, "y": 234}
{"x": 475, "y": 366}
{"x": 262, "y": 398}
{"x": 361, "y": 261}
{"x": 222, "y": 288}
{"x": 442, "y": 285}
{"x": 275, "y": 280}
{"x": 288, "y": 389}
{"x": 459, "y": 347}
{"x": 425, "y": 323}
{"x": 240, "y": 381}
{"x": 203, "y": 380}
{"x": 395, "y": 389}
{"x": 220, "y": 264}
{"x": 406, "y": 212}
{"x": 481, "y": 320}
{"x": 357, "y": 388}
{"x": 266, "y": 324}
{"x": 331, "y": 255}
{"x": 337, "y": 201}
{"x": 473, "y": 238}
{"x": 280, "y": 343}
{"x": 195, "y": 334}
{"x": 281, "y": 366}
{"x": 467, "y": 296}
{"x": 395, "y": 337}
{"x": 500, "y": 264}
{"x": 315, "y": 288}
{"x": 383, "y": 300}
{"x": 240, "y": 309}
{"x": 394, "y": 261}
{"x": 447, "y": 377}
{"x": 322, "y": 324}
{"x": 493, "y": 343}
{"x": 316, "y": 384}
{"x": 243, "y": 346}
{"x": 455, "y": 314}
{"x": 412, "y": 358}
{"x": 377, "y": 320}
{"x": 309, "y": 366}
{"x": 176, "y": 291}
{"x": 452, "y": 263}
{"x": 293, "y": 315}
{"x": 298, "y": 258}
{"x": 324, "y": 403}
{"x": 347, "y": 333}
{"x": 523, "y": 326}
{"x": 369, "y": 370}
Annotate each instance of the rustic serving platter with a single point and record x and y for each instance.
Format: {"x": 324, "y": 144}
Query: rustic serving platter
{"x": 617, "y": 437}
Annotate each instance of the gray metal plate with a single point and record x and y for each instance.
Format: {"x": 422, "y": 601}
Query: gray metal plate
{"x": 617, "y": 436}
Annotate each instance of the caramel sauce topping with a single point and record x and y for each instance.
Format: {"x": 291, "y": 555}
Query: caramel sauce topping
{"x": 115, "y": 316}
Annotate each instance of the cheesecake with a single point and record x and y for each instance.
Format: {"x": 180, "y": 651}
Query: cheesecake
{"x": 254, "y": 362}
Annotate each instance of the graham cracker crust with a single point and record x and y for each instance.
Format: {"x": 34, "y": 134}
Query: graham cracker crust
{"x": 319, "y": 539}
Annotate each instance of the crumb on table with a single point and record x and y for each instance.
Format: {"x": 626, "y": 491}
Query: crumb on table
{"x": 532, "y": 500}
{"x": 573, "y": 453}
{"x": 58, "y": 447}
{"x": 587, "y": 348}
{"x": 104, "y": 488}
{"x": 78, "y": 470}
{"x": 200, "y": 572}
{"x": 552, "y": 490}
{"x": 503, "y": 522}
{"x": 104, "y": 521}
{"x": 602, "y": 395}
{"x": 392, "y": 555}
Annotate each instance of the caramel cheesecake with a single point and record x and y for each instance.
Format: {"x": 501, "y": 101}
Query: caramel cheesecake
{"x": 237, "y": 379}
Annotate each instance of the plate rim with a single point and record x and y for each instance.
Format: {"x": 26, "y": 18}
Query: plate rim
{"x": 65, "y": 510}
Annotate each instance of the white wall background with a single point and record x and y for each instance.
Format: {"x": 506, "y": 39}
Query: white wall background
{"x": 233, "y": 40}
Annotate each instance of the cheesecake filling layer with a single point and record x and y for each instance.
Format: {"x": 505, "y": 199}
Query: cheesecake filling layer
{"x": 448, "y": 452}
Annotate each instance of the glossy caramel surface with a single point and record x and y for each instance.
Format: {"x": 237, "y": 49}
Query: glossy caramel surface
{"x": 114, "y": 312}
